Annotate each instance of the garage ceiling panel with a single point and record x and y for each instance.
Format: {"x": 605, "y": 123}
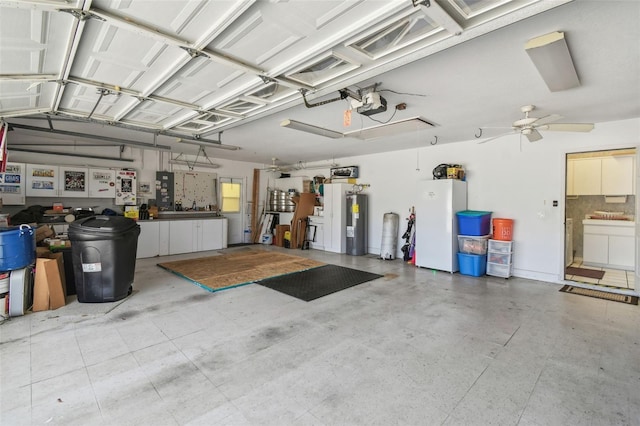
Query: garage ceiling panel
{"x": 120, "y": 57}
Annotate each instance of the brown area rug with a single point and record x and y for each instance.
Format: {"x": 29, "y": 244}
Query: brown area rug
{"x": 235, "y": 269}
{"x": 615, "y": 297}
{"x": 583, "y": 272}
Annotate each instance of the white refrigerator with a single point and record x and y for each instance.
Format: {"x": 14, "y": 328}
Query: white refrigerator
{"x": 437, "y": 223}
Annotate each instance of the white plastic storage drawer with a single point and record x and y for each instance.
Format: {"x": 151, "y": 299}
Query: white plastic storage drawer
{"x": 498, "y": 246}
{"x": 500, "y": 258}
{"x": 498, "y": 270}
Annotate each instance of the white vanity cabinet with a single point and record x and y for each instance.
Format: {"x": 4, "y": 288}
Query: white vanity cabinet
{"x": 609, "y": 244}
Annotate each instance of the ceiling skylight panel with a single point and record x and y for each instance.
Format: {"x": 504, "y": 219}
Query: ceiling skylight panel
{"x": 324, "y": 69}
{"x": 272, "y": 92}
{"x": 240, "y": 106}
{"x": 471, "y": 8}
{"x": 397, "y": 35}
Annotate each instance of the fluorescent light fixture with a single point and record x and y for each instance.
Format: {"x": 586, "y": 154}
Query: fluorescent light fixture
{"x": 550, "y": 54}
{"x": 309, "y": 128}
{"x": 389, "y": 129}
{"x": 206, "y": 144}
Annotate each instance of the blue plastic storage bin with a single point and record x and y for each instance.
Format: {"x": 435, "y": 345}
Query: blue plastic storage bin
{"x": 472, "y": 264}
{"x": 17, "y": 247}
{"x": 473, "y": 222}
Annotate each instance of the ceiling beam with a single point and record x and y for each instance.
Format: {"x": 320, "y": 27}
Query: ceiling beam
{"x": 90, "y": 136}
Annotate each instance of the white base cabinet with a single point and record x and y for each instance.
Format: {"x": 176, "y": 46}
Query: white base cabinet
{"x": 166, "y": 237}
{"x": 148, "y": 240}
{"x": 187, "y": 236}
{"x": 609, "y": 245}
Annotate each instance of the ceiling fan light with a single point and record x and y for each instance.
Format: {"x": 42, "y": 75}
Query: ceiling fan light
{"x": 550, "y": 55}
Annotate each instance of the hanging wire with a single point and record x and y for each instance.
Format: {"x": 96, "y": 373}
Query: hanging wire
{"x": 384, "y": 122}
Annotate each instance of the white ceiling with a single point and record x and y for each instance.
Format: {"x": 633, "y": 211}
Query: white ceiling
{"x": 185, "y": 70}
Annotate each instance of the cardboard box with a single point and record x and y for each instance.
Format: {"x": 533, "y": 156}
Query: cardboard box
{"x": 44, "y": 231}
{"x": 48, "y": 290}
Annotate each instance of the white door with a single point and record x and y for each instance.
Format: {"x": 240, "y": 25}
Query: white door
{"x": 232, "y": 196}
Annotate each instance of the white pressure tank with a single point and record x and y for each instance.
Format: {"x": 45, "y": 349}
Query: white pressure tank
{"x": 389, "y": 246}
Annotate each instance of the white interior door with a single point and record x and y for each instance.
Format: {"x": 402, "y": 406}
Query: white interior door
{"x": 232, "y": 201}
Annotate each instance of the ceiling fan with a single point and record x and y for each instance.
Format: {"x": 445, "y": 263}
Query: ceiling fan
{"x": 530, "y": 126}
{"x": 273, "y": 167}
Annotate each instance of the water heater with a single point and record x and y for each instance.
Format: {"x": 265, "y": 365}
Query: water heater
{"x": 356, "y": 224}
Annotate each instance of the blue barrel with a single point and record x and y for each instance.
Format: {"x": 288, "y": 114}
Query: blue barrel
{"x": 17, "y": 247}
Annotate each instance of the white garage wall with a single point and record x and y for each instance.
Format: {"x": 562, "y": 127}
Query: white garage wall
{"x": 511, "y": 182}
{"x": 515, "y": 183}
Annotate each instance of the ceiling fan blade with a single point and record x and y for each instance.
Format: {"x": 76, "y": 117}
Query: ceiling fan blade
{"x": 547, "y": 119}
{"x": 534, "y": 135}
{"x": 494, "y": 137}
{"x": 570, "y": 127}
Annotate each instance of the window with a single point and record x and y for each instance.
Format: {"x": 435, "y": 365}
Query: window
{"x": 230, "y": 193}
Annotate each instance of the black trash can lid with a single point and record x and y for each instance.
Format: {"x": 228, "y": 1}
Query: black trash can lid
{"x": 106, "y": 224}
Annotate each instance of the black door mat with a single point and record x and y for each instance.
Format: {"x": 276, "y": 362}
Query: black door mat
{"x": 615, "y": 297}
{"x": 318, "y": 282}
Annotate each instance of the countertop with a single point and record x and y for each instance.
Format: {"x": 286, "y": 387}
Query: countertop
{"x": 605, "y": 222}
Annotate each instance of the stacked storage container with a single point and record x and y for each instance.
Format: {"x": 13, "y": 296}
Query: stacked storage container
{"x": 500, "y": 255}
{"x": 473, "y": 228}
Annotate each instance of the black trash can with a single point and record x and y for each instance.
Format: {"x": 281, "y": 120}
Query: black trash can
{"x": 104, "y": 257}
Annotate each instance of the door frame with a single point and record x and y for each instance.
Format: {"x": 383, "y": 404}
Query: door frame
{"x": 243, "y": 210}
{"x": 562, "y": 220}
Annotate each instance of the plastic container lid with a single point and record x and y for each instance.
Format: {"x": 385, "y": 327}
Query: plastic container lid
{"x": 473, "y": 213}
{"x": 103, "y": 224}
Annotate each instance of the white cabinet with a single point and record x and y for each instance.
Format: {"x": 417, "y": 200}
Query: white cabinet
{"x": 609, "y": 244}
{"x": 570, "y": 185}
{"x": 74, "y": 181}
{"x": 57, "y": 181}
{"x": 213, "y": 232}
{"x": 187, "y": 236}
{"x": 618, "y": 175}
{"x": 12, "y": 187}
{"x": 126, "y": 187}
{"x": 181, "y": 236}
{"x": 335, "y": 216}
{"x": 612, "y": 175}
{"x": 102, "y": 183}
{"x": 587, "y": 176}
{"x": 622, "y": 251}
{"x": 149, "y": 239}
{"x": 596, "y": 249}
{"x": 42, "y": 180}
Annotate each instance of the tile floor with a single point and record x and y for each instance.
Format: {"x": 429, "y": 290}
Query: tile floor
{"x": 612, "y": 277}
{"x": 416, "y": 347}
